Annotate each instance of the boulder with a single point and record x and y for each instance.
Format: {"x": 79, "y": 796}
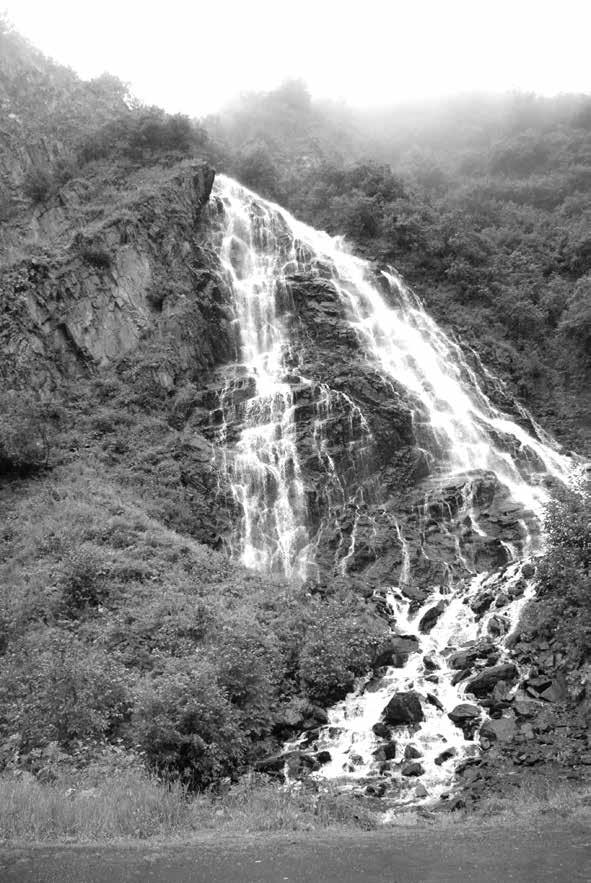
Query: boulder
{"x": 482, "y": 602}
{"x": 414, "y": 593}
{"x": 528, "y": 570}
{"x": 411, "y": 752}
{"x": 466, "y": 717}
{"x": 396, "y": 651}
{"x": 484, "y": 682}
{"x": 412, "y": 769}
{"x": 445, "y": 755}
{"x": 429, "y": 619}
{"x": 381, "y": 730}
{"x": 430, "y": 664}
{"x": 323, "y": 757}
{"x": 465, "y": 658}
{"x": 403, "y": 708}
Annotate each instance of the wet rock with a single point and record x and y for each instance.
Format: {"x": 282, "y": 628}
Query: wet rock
{"x": 414, "y": 593}
{"x": 445, "y": 755}
{"x": 498, "y": 625}
{"x": 429, "y": 619}
{"x": 430, "y": 664}
{"x": 484, "y": 682}
{"x": 323, "y": 757}
{"x": 517, "y": 589}
{"x": 381, "y": 730}
{"x": 466, "y": 717}
{"x": 461, "y": 676}
{"x": 411, "y": 752}
{"x": 412, "y": 769}
{"x": 528, "y": 570}
{"x": 385, "y": 752}
{"x": 465, "y": 658}
{"x": 434, "y": 701}
{"x": 397, "y": 650}
{"x": 403, "y": 708}
{"x": 482, "y": 602}
{"x": 421, "y": 792}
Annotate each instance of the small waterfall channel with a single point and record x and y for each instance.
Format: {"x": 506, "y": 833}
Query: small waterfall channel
{"x": 461, "y": 431}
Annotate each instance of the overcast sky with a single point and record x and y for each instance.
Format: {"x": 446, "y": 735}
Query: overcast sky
{"x": 195, "y": 56}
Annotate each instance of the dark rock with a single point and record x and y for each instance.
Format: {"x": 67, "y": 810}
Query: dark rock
{"x": 381, "y": 730}
{"x": 403, "y": 708}
{"x": 414, "y": 593}
{"x": 429, "y": 619}
{"x": 412, "y": 769}
{"x": 465, "y": 716}
{"x": 445, "y": 755}
{"x": 465, "y": 658}
{"x": 433, "y": 700}
{"x": 528, "y": 570}
{"x": 323, "y": 757}
{"x": 430, "y": 664}
{"x": 390, "y": 750}
{"x": 485, "y": 681}
{"x": 482, "y": 602}
{"x": 412, "y": 753}
{"x": 396, "y": 650}
{"x": 461, "y": 676}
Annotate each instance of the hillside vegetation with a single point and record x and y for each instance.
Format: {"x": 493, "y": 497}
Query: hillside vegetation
{"x": 126, "y": 643}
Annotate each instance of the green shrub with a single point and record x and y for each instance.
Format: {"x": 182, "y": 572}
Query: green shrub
{"x": 38, "y": 184}
{"x": 25, "y": 433}
{"x": 185, "y": 724}
{"x": 55, "y": 688}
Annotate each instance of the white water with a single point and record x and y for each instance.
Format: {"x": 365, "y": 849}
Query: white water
{"x": 262, "y": 244}
{"x": 266, "y": 479}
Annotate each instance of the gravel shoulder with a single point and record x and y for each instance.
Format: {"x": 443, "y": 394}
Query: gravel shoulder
{"x": 539, "y": 853}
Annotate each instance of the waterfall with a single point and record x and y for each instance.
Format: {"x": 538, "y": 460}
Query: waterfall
{"x": 264, "y": 252}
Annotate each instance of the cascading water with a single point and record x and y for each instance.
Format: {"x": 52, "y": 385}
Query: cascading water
{"x": 266, "y": 478}
{"x": 262, "y": 249}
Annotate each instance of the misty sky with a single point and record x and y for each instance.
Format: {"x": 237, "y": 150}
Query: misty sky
{"x": 195, "y": 56}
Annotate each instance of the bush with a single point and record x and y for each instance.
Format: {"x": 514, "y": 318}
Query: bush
{"x": 96, "y": 257}
{"x": 54, "y": 688}
{"x": 25, "y": 433}
{"x": 186, "y": 725}
{"x": 38, "y": 184}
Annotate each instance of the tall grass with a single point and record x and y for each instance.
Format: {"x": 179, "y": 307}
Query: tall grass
{"x": 135, "y": 806}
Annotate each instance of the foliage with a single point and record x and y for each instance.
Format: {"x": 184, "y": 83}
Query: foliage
{"x": 38, "y": 184}
{"x": 564, "y": 577}
{"x": 117, "y": 628}
{"x": 140, "y": 133}
{"x": 26, "y": 423}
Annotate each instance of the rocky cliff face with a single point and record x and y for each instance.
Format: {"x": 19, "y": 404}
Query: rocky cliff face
{"x": 139, "y": 276}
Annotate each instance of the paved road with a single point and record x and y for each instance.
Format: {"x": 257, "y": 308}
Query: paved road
{"x": 549, "y": 854}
